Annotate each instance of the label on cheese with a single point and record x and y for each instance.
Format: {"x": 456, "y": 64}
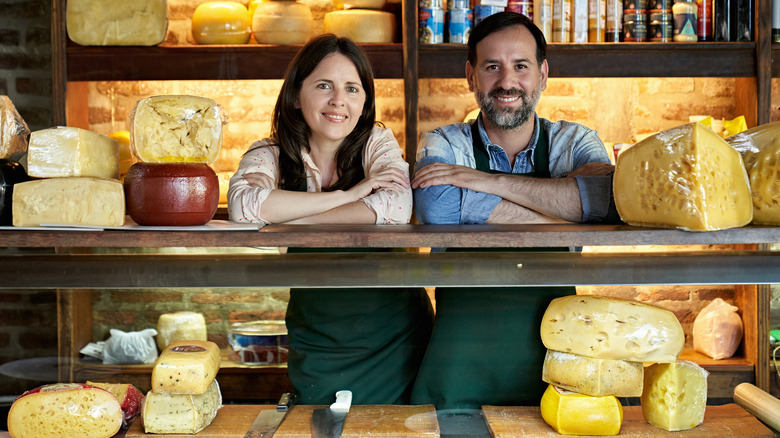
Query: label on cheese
{"x": 66, "y": 151}
{"x": 570, "y": 413}
{"x": 181, "y": 413}
{"x": 117, "y": 22}
{"x": 13, "y": 129}
{"x": 675, "y": 395}
{"x": 69, "y": 201}
{"x": 612, "y": 328}
{"x": 282, "y": 22}
{"x": 221, "y": 22}
{"x": 686, "y": 177}
{"x": 361, "y": 26}
{"x": 180, "y": 326}
{"x": 592, "y": 376}
{"x": 186, "y": 367}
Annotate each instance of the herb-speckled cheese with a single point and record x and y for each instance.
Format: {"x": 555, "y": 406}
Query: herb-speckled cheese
{"x": 181, "y": 413}
{"x": 186, "y": 367}
{"x": 592, "y": 376}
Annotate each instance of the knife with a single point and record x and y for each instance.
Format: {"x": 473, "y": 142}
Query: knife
{"x": 268, "y": 420}
{"x": 329, "y": 422}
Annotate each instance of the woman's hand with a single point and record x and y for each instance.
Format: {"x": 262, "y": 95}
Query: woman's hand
{"x": 387, "y": 178}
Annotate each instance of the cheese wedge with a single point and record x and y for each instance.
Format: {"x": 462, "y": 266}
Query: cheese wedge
{"x": 13, "y": 129}
{"x": 66, "y": 151}
{"x": 181, "y": 413}
{"x": 69, "y": 201}
{"x": 221, "y": 22}
{"x": 570, "y": 413}
{"x": 612, "y": 328}
{"x": 186, "y": 367}
{"x": 286, "y": 22}
{"x": 180, "y": 326}
{"x": 675, "y": 395}
{"x": 117, "y": 22}
{"x": 592, "y": 376}
{"x": 685, "y": 177}
{"x": 361, "y": 26}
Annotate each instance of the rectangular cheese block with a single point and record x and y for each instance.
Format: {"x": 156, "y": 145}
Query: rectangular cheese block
{"x": 675, "y": 395}
{"x": 13, "y": 130}
{"x": 69, "y": 201}
{"x": 612, "y": 328}
{"x": 117, "y": 22}
{"x": 66, "y": 151}
{"x": 180, "y": 326}
{"x": 592, "y": 376}
{"x": 181, "y": 413}
{"x": 186, "y": 367}
{"x": 176, "y": 129}
{"x": 686, "y": 177}
{"x": 569, "y": 413}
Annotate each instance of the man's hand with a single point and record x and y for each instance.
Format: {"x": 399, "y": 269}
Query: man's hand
{"x": 437, "y": 174}
{"x": 593, "y": 169}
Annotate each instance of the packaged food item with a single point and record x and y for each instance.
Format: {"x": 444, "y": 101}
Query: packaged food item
{"x": 593, "y": 376}
{"x": 129, "y": 397}
{"x": 186, "y": 367}
{"x": 362, "y": 26}
{"x": 221, "y": 22}
{"x": 64, "y": 151}
{"x": 181, "y": 413}
{"x": 675, "y": 395}
{"x": 127, "y": 348}
{"x": 13, "y": 130}
{"x": 717, "y": 330}
{"x": 180, "y": 326}
{"x": 569, "y": 413}
{"x": 258, "y": 342}
{"x": 117, "y": 22}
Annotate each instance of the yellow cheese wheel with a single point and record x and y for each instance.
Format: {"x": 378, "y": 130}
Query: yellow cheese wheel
{"x": 282, "y": 22}
{"x": 362, "y": 26}
{"x": 222, "y": 22}
{"x": 570, "y": 413}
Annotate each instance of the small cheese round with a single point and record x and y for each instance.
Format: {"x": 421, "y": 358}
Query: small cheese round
{"x": 222, "y": 22}
{"x": 361, "y": 26}
{"x": 570, "y": 413}
{"x": 282, "y": 22}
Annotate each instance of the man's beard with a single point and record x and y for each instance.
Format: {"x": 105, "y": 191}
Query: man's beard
{"x": 507, "y": 118}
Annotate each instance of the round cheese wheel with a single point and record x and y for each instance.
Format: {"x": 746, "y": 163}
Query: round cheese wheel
{"x": 282, "y": 22}
{"x": 222, "y": 22}
{"x": 361, "y": 26}
{"x": 10, "y": 174}
{"x": 171, "y": 194}
{"x": 359, "y": 4}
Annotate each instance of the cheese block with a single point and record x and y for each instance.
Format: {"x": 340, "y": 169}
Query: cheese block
{"x": 65, "y": 410}
{"x": 65, "y": 151}
{"x": 760, "y": 150}
{"x": 180, "y": 326}
{"x": 686, "y": 177}
{"x": 221, "y": 22}
{"x": 186, "y": 367}
{"x": 570, "y": 413}
{"x": 362, "y": 26}
{"x": 592, "y": 376}
{"x": 282, "y": 22}
{"x": 181, "y": 413}
{"x": 612, "y": 328}
{"x": 11, "y": 173}
{"x": 126, "y": 158}
{"x": 129, "y": 397}
{"x": 117, "y": 22}
{"x": 176, "y": 129}
{"x": 69, "y": 201}
{"x": 13, "y": 129}
{"x": 675, "y": 395}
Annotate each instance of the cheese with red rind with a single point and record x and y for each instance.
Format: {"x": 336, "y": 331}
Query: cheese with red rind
{"x": 129, "y": 397}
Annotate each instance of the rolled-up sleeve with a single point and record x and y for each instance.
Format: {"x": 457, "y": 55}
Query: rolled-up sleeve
{"x": 244, "y": 200}
{"x": 391, "y": 206}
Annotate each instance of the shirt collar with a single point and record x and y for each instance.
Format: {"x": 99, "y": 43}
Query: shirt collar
{"x": 486, "y": 141}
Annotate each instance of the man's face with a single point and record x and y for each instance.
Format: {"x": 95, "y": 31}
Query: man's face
{"x": 506, "y": 79}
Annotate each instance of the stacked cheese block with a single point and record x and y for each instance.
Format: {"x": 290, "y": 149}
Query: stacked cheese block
{"x": 221, "y": 22}
{"x": 117, "y": 22}
{"x": 180, "y": 326}
{"x": 596, "y": 350}
{"x": 362, "y": 21}
{"x": 185, "y": 395}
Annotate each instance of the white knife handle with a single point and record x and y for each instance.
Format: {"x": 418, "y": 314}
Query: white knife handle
{"x": 343, "y": 401}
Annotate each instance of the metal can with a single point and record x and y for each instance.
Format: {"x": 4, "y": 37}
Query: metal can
{"x": 258, "y": 342}
{"x": 459, "y": 24}
{"x": 660, "y": 28}
{"x": 659, "y": 4}
{"x": 483, "y": 11}
{"x": 430, "y": 4}
{"x": 630, "y": 5}
{"x": 458, "y": 4}
{"x": 635, "y": 26}
{"x": 432, "y": 26}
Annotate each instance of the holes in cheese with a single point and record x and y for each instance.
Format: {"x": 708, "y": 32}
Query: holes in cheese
{"x": 282, "y": 22}
{"x": 592, "y": 376}
{"x": 222, "y": 22}
{"x": 361, "y": 26}
{"x": 117, "y": 22}
{"x": 685, "y": 177}
{"x": 65, "y": 151}
{"x": 186, "y": 367}
{"x": 675, "y": 395}
{"x": 570, "y": 413}
{"x": 181, "y": 413}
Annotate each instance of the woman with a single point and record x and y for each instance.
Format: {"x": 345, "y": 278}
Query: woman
{"x": 326, "y": 161}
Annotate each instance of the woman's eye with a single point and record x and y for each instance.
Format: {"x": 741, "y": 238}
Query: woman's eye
{"x": 323, "y": 86}
{"x": 352, "y": 89}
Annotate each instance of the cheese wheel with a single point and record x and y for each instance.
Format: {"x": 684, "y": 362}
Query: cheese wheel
{"x": 67, "y": 151}
{"x": 129, "y": 397}
{"x": 180, "y": 326}
{"x": 361, "y": 26}
{"x": 359, "y": 4}
{"x": 117, "y": 22}
{"x": 181, "y": 413}
{"x": 591, "y": 376}
{"x": 186, "y": 367}
{"x": 282, "y": 22}
{"x": 222, "y": 22}
{"x": 570, "y": 413}
{"x": 13, "y": 129}
{"x": 675, "y": 395}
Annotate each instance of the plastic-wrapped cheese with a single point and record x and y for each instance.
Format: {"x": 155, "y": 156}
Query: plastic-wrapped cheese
{"x": 67, "y": 151}
{"x": 685, "y": 177}
{"x": 570, "y": 413}
{"x": 180, "y": 326}
{"x": 592, "y": 376}
{"x": 221, "y": 22}
{"x": 675, "y": 395}
{"x": 612, "y": 328}
{"x": 181, "y": 413}
{"x": 362, "y": 26}
{"x": 13, "y": 129}
{"x": 186, "y": 367}
{"x": 282, "y": 22}
{"x": 69, "y": 201}
{"x": 176, "y": 129}
{"x": 117, "y": 22}
{"x": 760, "y": 149}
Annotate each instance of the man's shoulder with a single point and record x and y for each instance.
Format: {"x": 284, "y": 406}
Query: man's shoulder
{"x": 453, "y": 131}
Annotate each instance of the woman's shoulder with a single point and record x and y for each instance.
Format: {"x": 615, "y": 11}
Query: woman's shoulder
{"x": 264, "y": 145}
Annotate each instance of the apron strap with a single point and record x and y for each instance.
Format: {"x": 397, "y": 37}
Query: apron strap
{"x": 541, "y": 154}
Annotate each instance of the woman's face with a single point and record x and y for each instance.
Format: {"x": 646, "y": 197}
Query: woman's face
{"x": 331, "y": 100}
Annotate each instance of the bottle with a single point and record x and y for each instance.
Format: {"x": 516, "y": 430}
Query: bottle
{"x": 579, "y": 26}
{"x": 776, "y": 21}
{"x": 561, "y": 22}
{"x": 660, "y": 27}
{"x": 614, "y": 21}
{"x": 597, "y": 13}
{"x": 543, "y": 17}
{"x": 685, "y": 18}
{"x": 704, "y": 21}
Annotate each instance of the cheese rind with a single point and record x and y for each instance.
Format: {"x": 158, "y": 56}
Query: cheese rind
{"x": 570, "y": 413}
{"x": 180, "y": 326}
{"x": 612, "y": 328}
{"x": 286, "y": 22}
{"x": 675, "y": 395}
{"x": 117, "y": 22}
{"x": 13, "y": 129}
{"x": 69, "y": 201}
{"x": 129, "y": 397}
{"x": 686, "y": 177}
{"x": 361, "y": 26}
{"x": 592, "y": 376}
{"x": 181, "y": 413}
{"x": 186, "y": 367}
{"x": 221, "y": 22}
{"x": 66, "y": 151}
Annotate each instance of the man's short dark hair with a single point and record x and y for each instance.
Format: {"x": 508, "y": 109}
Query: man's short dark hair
{"x": 501, "y": 21}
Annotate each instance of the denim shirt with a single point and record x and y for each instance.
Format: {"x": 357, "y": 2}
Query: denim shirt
{"x": 570, "y": 146}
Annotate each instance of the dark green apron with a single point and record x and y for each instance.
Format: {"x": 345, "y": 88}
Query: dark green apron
{"x": 485, "y": 348}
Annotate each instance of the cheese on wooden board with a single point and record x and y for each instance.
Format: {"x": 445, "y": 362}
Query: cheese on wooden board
{"x": 176, "y": 129}
{"x": 69, "y": 201}
{"x": 129, "y": 397}
{"x": 117, "y": 22}
{"x": 186, "y": 367}
{"x": 570, "y": 413}
{"x": 675, "y": 395}
{"x": 362, "y": 26}
{"x": 221, "y": 22}
{"x": 282, "y": 22}
{"x": 13, "y": 129}
{"x": 592, "y": 376}
{"x": 686, "y": 177}
{"x": 181, "y": 413}
{"x": 66, "y": 151}
{"x": 612, "y": 328}
{"x": 180, "y": 326}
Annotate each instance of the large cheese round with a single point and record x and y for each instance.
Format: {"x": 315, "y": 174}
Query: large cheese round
{"x": 10, "y": 174}
{"x": 359, "y": 4}
{"x": 172, "y": 194}
{"x": 361, "y": 26}
{"x": 282, "y": 22}
{"x": 222, "y": 22}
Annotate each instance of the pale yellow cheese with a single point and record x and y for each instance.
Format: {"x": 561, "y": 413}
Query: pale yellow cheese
{"x": 282, "y": 22}
{"x": 760, "y": 149}
{"x": 686, "y": 177}
{"x": 221, "y": 22}
{"x": 362, "y": 26}
{"x": 69, "y": 201}
{"x": 126, "y": 158}
{"x": 570, "y": 413}
{"x": 180, "y": 326}
{"x": 612, "y": 328}
{"x": 592, "y": 376}
{"x": 67, "y": 151}
{"x": 13, "y": 129}
{"x": 675, "y": 395}
{"x": 176, "y": 129}
{"x": 186, "y": 367}
{"x": 181, "y": 413}
{"x": 117, "y": 22}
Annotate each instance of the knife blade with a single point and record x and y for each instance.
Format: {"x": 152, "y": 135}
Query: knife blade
{"x": 329, "y": 422}
{"x": 268, "y": 420}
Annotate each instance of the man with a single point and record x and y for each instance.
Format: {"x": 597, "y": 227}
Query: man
{"x": 508, "y": 166}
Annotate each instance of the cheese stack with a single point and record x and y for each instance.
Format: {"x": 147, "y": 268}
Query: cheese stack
{"x": 185, "y": 394}
{"x": 362, "y": 21}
